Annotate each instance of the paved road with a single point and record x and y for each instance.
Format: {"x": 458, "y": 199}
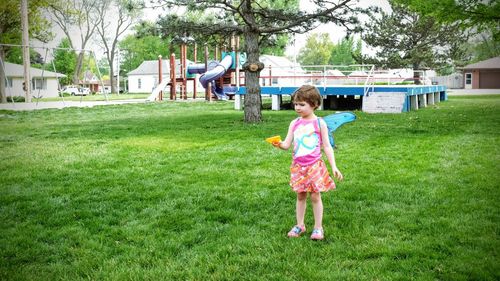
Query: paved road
{"x": 473, "y": 92}
{"x": 60, "y": 104}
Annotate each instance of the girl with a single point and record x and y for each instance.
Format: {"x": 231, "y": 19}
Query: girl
{"x": 308, "y": 171}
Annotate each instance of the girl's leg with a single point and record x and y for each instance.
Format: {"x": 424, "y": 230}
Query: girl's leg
{"x": 317, "y": 205}
{"x": 300, "y": 209}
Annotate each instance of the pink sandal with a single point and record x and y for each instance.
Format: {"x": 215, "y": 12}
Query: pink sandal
{"x": 296, "y": 231}
{"x": 318, "y": 234}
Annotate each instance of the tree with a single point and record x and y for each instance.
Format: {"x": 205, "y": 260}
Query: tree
{"x": 137, "y": 50}
{"x": 79, "y": 14}
{"x": 481, "y": 17}
{"x": 254, "y": 20}
{"x": 344, "y": 52}
{"x": 110, "y": 29}
{"x": 10, "y": 30}
{"x": 275, "y": 45}
{"x": 65, "y": 60}
{"x": 317, "y": 50}
{"x": 405, "y": 38}
{"x": 15, "y": 55}
{"x": 481, "y": 14}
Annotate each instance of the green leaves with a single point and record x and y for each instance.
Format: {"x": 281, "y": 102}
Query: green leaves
{"x": 317, "y": 51}
{"x": 320, "y": 50}
{"x": 407, "y": 39}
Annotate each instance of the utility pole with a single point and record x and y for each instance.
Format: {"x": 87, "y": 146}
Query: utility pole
{"x": 26, "y": 50}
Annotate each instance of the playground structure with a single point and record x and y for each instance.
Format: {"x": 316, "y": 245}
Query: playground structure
{"x": 220, "y": 79}
{"x": 358, "y": 87}
{"x": 342, "y": 87}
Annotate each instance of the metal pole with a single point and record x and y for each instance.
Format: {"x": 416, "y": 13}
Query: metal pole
{"x": 26, "y": 50}
{"x": 160, "y": 74}
{"x": 195, "y": 79}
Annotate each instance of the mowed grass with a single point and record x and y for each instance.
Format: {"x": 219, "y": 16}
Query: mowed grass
{"x": 188, "y": 191}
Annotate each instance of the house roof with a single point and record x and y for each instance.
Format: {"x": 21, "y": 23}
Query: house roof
{"x": 276, "y": 61}
{"x": 17, "y": 70}
{"x": 335, "y": 72}
{"x": 493, "y": 63}
{"x": 89, "y": 77}
{"x": 150, "y": 67}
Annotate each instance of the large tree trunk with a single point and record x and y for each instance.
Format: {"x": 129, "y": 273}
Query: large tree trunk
{"x": 252, "y": 68}
{"x": 112, "y": 80}
{"x": 3, "y": 93}
{"x": 78, "y": 68}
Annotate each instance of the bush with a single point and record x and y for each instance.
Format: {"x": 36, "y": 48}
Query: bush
{"x": 16, "y": 99}
{"x": 64, "y": 95}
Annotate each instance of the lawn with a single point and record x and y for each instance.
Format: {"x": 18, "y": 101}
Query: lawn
{"x": 187, "y": 191}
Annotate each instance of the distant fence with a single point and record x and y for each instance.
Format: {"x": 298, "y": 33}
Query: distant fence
{"x": 453, "y": 81}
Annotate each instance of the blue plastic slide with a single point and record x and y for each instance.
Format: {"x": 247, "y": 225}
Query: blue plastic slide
{"x": 215, "y": 71}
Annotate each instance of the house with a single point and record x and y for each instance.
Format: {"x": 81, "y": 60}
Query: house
{"x": 91, "y": 81}
{"x": 145, "y": 77}
{"x": 43, "y": 83}
{"x": 482, "y": 75}
{"x": 280, "y": 71}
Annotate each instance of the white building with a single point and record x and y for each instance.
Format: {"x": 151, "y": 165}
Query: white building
{"x": 43, "y": 83}
{"x": 145, "y": 77}
{"x": 280, "y": 71}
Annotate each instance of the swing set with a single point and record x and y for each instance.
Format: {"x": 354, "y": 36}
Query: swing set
{"x": 37, "y": 94}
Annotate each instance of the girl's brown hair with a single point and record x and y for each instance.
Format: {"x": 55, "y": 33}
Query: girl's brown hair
{"x": 309, "y": 94}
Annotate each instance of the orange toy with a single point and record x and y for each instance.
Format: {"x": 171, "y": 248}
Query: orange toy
{"x": 275, "y": 139}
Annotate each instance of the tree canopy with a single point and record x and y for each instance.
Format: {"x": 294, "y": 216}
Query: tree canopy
{"x": 405, "y": 38}
{"x": 480, "y": 14}
{"x": 10, "y": 30}
{"x": 480, "y": 17}
{"x": 65, "y": 61}
{"x": 111, "y": 29}
{"x": 80, "y": 15}
{"x": 345, "y": 51}
{"x": 317, "y": 50}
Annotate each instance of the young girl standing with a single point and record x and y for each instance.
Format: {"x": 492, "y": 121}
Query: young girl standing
{"x": 309, "y": 173}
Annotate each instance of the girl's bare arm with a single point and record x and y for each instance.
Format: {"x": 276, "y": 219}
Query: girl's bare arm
{"x": 288, "y": 140}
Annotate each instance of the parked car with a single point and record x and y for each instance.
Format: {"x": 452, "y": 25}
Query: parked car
{"x": 85, "y": 91}
{"x": 75, "y": 91}
{"x": 105, "y": 91}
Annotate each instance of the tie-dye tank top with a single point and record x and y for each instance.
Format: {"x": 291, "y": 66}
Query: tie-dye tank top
{"x": 306, "y": 142}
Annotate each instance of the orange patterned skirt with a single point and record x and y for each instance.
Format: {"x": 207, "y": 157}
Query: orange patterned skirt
{"x": 312, "y": 178}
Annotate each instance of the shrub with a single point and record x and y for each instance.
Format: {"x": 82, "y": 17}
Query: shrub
{"x": 16, "y": 99}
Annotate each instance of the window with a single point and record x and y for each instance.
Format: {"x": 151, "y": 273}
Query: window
{"x": 139, "y": 83}
{"x": 468, "y": 78}
{"x": 9, "y": 83}
{"x": 39, "y": 84}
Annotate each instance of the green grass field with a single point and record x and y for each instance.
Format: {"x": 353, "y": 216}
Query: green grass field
{"x": 187, "y": 191}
